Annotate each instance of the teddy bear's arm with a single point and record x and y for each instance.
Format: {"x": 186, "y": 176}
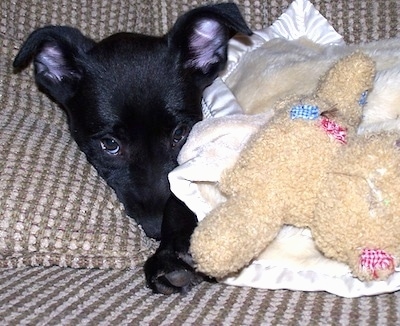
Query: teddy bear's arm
{"x": 226, "y": 240}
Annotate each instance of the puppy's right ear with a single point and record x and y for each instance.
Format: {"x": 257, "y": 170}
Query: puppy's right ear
{"x": 57, "y": 53}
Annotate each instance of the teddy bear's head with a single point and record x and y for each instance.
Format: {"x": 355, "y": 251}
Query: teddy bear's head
{"x": 337, "y": 101}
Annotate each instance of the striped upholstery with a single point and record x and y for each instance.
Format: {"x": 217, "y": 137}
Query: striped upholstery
{"x": 55, "y": 210}
{"x": 64, "y": 296}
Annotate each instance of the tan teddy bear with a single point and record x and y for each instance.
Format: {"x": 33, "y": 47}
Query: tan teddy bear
{"x": 307, "y": 167}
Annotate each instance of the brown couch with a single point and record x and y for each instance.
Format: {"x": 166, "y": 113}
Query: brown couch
{"x": 68, "y": 253}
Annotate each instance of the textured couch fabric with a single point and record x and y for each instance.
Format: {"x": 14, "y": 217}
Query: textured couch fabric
{"x": 51, "y": 198}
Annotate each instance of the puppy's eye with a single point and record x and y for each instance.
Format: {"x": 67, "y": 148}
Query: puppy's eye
{"x": 179, "y": 134}
{"x": 110, "y": 145}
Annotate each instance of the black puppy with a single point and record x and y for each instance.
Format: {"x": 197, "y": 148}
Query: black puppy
{"x": 131, "y": 101}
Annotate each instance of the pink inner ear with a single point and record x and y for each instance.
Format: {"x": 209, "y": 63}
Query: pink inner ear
{"x": 206, "y": 43}
{"x": 51, "y": 62}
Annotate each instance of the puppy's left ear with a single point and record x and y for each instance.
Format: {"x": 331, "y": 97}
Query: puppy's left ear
{"x": 201, "y": 37}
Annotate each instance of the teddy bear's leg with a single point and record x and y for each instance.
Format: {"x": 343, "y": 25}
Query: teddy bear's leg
{"x": 344, "y": 231}
{"x": 357, "y": 217}
{"x": 232, "y": 236}
{"x": 375, "y": 264}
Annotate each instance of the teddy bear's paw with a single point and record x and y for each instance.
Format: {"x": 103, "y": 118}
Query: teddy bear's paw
{"x": 376, "y": 264}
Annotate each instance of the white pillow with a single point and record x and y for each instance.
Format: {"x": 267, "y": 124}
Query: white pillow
{"x": 301, "y": 19}
{"x": 292, "y": 260}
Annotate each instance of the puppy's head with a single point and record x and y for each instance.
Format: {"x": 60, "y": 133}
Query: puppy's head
{"x": 132, "y": 99}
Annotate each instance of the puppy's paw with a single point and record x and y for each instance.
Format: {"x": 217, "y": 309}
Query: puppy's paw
{"x": 169, "y": 272}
